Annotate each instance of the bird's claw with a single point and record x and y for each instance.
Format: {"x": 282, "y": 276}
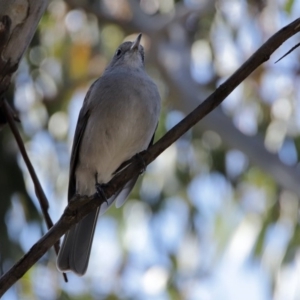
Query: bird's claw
{"x": 99, "y": 189}
{"x": 142, "y": 162}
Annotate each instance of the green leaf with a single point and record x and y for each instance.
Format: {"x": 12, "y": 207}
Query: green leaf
{"x": 288, "y": 6}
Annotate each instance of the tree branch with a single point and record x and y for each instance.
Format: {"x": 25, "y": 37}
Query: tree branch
{"x": 183, "y": 86}
{"x": 18, "y": 23}
{"x": 39, "y": 192}
{"x": 81, "y": 206}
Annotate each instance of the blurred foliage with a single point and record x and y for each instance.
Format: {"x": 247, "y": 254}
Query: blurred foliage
{"x": 202, "y": 215}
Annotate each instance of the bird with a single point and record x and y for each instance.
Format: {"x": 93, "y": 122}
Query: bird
{"x": 118, "y": 119}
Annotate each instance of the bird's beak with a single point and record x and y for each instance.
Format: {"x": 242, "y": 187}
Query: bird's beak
{"x": 136, "y": 43}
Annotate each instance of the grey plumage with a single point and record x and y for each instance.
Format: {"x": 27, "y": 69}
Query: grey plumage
{"x": 117, "y": 120}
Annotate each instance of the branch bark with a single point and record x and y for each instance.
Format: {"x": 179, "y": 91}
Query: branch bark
{"x": 81, "y": 206}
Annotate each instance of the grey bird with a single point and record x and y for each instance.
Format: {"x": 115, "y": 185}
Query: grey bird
{"x": 117, "y": 120}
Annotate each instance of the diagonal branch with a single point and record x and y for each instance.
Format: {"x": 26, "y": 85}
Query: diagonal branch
{"x": 37, "y": 186}
{"x": 291, "y": 50}
{"x": 183, "y": 86}
{"x": 18, "y": 23}
{"x": 81, "y": 206}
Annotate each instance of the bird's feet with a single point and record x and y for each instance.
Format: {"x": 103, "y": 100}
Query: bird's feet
{"x": 99, "y": 188}
{"x": 139, "y": 157}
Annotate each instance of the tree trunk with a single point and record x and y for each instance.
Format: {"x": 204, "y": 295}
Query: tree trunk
{"x": 18, "y": 22}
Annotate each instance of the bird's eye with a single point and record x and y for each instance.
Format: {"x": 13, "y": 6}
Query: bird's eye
{"x": 143, "y": 56}
{"x": 118, "y": 52}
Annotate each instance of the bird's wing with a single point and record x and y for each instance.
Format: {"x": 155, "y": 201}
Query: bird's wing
{"x": 80, "y": 128}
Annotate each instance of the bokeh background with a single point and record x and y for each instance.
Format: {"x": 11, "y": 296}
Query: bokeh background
{"x": 216, "y": 216}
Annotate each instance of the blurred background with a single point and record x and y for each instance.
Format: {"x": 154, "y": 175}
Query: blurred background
{"x": 216, "y": 216}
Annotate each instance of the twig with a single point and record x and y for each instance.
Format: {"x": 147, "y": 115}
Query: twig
{"x": 81, "y": 206}
{"x": 37, "y": 186}
{"x": 291, "y": 50}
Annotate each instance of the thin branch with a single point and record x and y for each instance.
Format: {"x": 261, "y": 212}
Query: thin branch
{"x": 291, "y": 50}
{"x": 81, "y": 205}
{"x": 37, "y": 186}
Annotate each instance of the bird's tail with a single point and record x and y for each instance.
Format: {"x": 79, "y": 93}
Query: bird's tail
{"x": 76, "y": 248}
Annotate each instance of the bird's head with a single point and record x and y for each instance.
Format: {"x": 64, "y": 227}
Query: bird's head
{"x": 129, "y": 54}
